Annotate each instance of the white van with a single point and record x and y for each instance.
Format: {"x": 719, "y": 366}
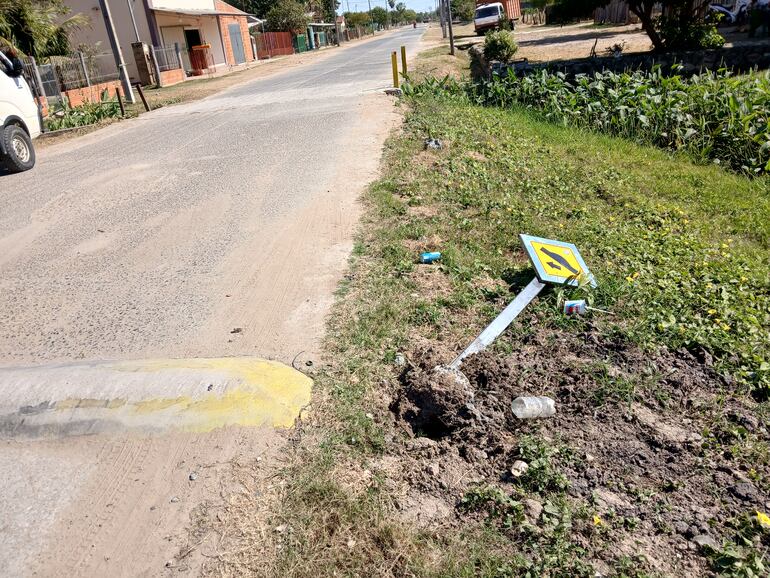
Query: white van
{"x": 488, "y": 17}
{"x": 19, "y": 118}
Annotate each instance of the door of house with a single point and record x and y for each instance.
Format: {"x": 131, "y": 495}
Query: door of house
{"x": 236, "y": 42}
{"x": 192, "y": 37}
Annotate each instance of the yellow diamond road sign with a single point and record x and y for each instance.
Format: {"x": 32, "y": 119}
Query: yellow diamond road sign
{"x": 556, "y": 261}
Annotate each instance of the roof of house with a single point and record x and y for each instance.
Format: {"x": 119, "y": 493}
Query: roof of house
{"x": 220, "y": 9}
{"x": 195, "y": 12}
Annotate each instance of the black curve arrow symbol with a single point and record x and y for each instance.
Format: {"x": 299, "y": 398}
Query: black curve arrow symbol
{"x": 561, "y": 260}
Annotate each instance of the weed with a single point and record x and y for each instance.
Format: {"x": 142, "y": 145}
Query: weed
{"x": 498, "y": 505}
{"x": 86, "y": 114}
{"x": 542, "y": 475}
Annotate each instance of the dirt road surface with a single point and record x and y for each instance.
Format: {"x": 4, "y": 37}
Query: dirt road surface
{"x": 213, "y": 229}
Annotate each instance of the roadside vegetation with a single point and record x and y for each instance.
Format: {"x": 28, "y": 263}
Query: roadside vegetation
{"x": 657, "y": 461}
{"x": 713, "y": 116}
{"x": 87, "y": 114}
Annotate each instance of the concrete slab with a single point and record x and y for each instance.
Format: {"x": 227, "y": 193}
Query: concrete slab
{"x": 192, "y": 395}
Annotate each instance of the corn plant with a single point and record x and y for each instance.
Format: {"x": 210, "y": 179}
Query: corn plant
{"x": 713, "y": 116}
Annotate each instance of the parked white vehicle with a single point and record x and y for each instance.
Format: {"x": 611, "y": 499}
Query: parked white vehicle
{"x": 488, "y": 17}
{"x": 19, "y": 118}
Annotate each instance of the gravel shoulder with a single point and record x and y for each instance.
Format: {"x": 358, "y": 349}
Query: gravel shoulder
{"x": 214, "y": 228}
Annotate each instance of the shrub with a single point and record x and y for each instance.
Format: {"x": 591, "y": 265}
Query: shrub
{"x": 86, "y": 114}
{"x": 693, "y": 35}
{"x": 500, "y": 45}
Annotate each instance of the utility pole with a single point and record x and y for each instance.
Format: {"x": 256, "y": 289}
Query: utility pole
{"x": 442, "y": 18}
{"x": 127, "y": 90}
{"x": 451, "y": 34}
{"x": 133, "y": 18}
{"x": 371, "y": 20}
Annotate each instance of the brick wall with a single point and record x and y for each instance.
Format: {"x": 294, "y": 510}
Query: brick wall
{"x": 169, "y": 77}
{"x": 224, "y": 23}
{"x": 43, "y": 102}
{"x": 78, "y": 96}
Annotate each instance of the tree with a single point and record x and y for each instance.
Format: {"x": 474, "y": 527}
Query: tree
{"x": 329, "y": 10}
{"x": 36, "y": 28}
{"x": 380, "y": 16}
{"x": 287, "y": 16}
{"x": 259, "y": 8}
{"x": 355, "y": 19}
{"x": 463, "y": 10}
{"x": 682, "y": 24}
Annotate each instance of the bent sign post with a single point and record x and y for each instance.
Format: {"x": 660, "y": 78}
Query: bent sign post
{"x": 555, "y": 262}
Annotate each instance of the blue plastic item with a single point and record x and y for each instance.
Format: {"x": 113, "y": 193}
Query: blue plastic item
{"x": 430, "y": 257}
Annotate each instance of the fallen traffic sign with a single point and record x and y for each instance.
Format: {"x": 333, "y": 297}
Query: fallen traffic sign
{"x": 556, "y": 261}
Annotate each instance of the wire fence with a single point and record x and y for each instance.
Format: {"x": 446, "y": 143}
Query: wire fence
{"x": 167, "y": 58}
{"x": 56, "y": 74}
{"x": 80, "y": 69}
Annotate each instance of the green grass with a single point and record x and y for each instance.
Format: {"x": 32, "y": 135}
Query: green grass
{"x": 680, "y": 252}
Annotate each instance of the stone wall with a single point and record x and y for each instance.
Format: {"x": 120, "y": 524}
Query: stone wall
{"x": 737, "y": 58}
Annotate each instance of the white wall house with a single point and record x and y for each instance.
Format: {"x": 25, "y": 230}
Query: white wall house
{"x": 167, "y": 22}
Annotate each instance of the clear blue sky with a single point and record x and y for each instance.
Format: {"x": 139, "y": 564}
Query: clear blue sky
{"x": 363, "y": 5}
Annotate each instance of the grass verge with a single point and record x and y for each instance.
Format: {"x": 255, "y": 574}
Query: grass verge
{"x": 659, "y": 439}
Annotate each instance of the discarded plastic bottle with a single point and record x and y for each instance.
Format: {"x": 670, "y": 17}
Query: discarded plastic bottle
{"x": 529, "y": 407}
{"x": 430, "y": 257}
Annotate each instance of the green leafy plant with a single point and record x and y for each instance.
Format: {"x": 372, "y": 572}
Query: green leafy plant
{"x": 542, "y": 474}
{"x": 500, "y": 45}
{"x": 713, "y": 116}
{"x": 496, "y": 503}
{"x": 84, "y": 115}
{"x": 692, "y": 35}
{"x": 287, "y": 16}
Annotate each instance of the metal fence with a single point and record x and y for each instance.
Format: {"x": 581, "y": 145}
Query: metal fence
{"x": 42, "y": 79}
{"x": 167, "y": 58}
{"x": 57, "y": 74}
{"x": 80, "y": 70}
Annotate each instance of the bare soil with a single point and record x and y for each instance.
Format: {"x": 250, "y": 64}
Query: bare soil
{"x": 650, "y": 458}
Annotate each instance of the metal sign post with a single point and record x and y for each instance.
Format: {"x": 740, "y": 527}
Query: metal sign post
{"x": 554, "y": 262}
{"x": 501, "y": 322}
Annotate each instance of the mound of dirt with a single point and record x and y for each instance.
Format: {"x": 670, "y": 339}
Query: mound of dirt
{"x": 651, "y": 440}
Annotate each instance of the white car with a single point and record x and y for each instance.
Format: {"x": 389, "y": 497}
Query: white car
{"x": 19, "y": 118}
{"x": 488, "y": 17}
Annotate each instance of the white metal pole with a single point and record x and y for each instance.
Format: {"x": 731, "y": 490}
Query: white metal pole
{"x": 500, "y": 322}
{"x": 133, "y": 18}
{"x": 128, "y": 91}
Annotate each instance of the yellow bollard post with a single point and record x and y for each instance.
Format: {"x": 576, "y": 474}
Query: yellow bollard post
{"x": 394, "y": 63}
{"x": 403, "y": 61}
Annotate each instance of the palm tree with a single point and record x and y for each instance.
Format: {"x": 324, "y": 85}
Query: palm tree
{"x": 33, "y": 27}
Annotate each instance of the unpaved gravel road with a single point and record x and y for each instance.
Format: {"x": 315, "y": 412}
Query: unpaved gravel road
{"x": 211, "y": 229}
